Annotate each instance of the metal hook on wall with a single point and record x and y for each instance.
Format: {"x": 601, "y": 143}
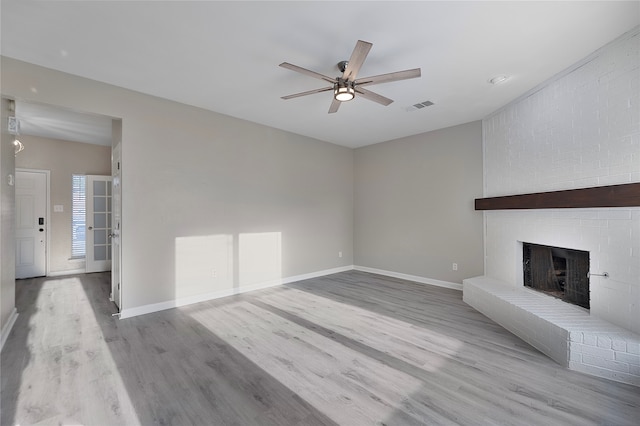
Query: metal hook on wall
{"x": 604, "y": 274}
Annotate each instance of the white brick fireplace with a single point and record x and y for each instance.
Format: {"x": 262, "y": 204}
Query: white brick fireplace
{"x": 580, "y": 129}
{"x": 611, "y": 236}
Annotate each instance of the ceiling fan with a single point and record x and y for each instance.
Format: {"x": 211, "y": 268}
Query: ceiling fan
{"x": 347, "y": 85}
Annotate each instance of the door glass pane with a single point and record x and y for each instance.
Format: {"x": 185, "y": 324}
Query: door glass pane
{"x": 109, "y": 188}
{"x": 99, "y": 204}
{"x": 99, "y": 187}
{"x": 99, "y": 220}
{"x": 100, "y": 252}
{"x": 99, "y": 237}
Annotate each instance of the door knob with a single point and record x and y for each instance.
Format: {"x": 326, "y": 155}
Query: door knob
{"x": 90, "y": 228}
{"x": 41, "y": 230}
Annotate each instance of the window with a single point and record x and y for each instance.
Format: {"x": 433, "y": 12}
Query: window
{"x": 78, "y": 216}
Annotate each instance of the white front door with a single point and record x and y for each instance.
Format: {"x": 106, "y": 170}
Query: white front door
{"x": 98, "y": 237}
{"x": 31, "y": 223}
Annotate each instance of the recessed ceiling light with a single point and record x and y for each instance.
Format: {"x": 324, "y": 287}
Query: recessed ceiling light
{"x": 499, "y": 79}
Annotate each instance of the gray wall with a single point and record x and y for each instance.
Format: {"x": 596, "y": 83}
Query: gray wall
{"x": 7, "y": 224}
{"x": 211, "y": 203}
{"x": 63, "y": 159}
{"x": 192, "y": 177}
{"x": 414, "y": 204}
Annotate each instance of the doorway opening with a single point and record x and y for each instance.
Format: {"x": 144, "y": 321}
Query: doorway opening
{"x": 71, "y": 144}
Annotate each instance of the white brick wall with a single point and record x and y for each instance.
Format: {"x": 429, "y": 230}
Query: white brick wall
{"x": 566, "y": 333}
{"x": 581, "y": 129}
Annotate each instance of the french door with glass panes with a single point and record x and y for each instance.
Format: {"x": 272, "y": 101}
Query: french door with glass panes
{"x": 98, "y": 237}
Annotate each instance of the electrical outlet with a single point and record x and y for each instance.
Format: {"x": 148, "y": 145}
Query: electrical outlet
{"x": 339, "y": 254}
{"x": 454, "y": 267}
{"x": 215, "y": 274}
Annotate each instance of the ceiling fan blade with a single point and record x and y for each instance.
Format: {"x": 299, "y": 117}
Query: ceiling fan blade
{"x": 386, "y": 78}
{"x": 305, "y": 71}
{"x": 334, "y": 106}
{"x": 358, "y": 56}
{"x": 309, "y": 92}
{"x": 367, "y": 94}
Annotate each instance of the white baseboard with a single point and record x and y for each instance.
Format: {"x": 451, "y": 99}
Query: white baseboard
{"x": 316, "y": 274}
{"x": 68, "y": 272}
{"x": 422, "y": 280}
{"x": 155, "y": 307}
{"x": 7, "y": 327}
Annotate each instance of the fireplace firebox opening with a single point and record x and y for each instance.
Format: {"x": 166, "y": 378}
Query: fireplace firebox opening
{"x": 557, "y": 271}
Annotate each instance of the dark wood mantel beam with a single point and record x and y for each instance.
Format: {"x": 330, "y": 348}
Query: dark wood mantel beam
{"x": 624, "y": 195}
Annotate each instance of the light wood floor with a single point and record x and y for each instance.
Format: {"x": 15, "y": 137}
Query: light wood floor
{"x": 351, "y": 349}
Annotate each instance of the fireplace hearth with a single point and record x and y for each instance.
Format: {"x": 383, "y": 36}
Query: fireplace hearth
{"x": 557, "y": 271}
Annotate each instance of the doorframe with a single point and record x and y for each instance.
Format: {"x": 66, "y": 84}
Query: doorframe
{"x": 116, "y": 174}
{"x": 117, "y": 122}
{"x": 47, "y": 247}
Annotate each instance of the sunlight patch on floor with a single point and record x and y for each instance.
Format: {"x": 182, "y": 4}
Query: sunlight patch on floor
{"x": 62, "y": 370}
{"x": 306, "y": 362}
{"x": 399, "y": 338}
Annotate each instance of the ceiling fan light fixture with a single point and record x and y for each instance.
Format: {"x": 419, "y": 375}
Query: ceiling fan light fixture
{"x": 343, "y": 91}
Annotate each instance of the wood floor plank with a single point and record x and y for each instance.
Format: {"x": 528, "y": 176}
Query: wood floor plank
{"x": 414, "y": 347}
{"x": 324, "y": 372}
{"x": 351, "y": 348}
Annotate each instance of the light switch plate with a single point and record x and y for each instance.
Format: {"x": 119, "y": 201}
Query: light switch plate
{"x": 13, "y": 125}
{"x": 58, "y": 208}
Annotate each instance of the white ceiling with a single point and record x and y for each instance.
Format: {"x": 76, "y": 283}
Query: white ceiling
{"x": 224, "y": 56}
{"x": 59, "y": 123}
